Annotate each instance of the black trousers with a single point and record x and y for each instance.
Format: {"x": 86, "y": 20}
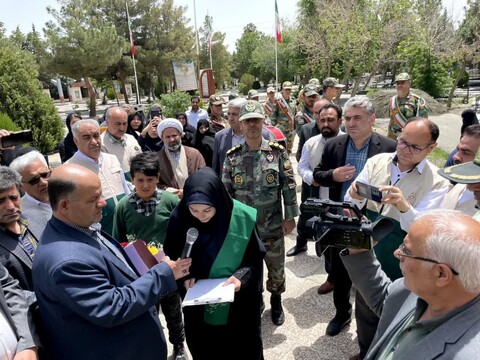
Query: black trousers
{"x": 343, "y": 285}
{"x": 367, "y": 323}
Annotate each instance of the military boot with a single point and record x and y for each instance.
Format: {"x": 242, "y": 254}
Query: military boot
{"x": 278, "y": 317}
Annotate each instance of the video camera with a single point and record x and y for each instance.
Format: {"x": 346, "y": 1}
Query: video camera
{"x": 330, "y": 226}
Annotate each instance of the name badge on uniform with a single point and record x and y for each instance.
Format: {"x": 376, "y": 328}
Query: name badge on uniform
{"x": 270, "y": 157}
{"x": 238, "y": 180}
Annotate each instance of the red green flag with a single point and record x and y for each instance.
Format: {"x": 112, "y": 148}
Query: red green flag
{"x": 278, "y": 29}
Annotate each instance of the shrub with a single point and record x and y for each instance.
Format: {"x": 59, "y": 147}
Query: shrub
{"x": 174, "y": 102}
{"x": 248, "y": 80}
{"x": 242, "y": 88}
{"x": 111, "y": 94}
{"x": 7, "y": 124}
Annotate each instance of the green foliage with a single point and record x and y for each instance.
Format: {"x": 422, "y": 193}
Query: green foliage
{"x": 256, "y": 85}
{"x": 248, "y": 80}
{"x": 242, "y": 88}
{"x": 7, "y": 124}
{"x": 174, "y": 102}
{"x": 438, "y": 157}
{"x": 22, "y": 99}
{"x": 111, "y": 94}
{"x": 463, "y": 78}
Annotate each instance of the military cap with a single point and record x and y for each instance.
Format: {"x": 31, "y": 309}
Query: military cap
{"x": 252, "y": 93}
{"x": 270, "y": 89}
{"x": 287, "y": 85}
{"x": 402, "y": 77}
{"x": 310, "y": 90}
{"x": 251, "y": 110}
{"x": 216, "y": 100}
{"x": 314, "y": 81}
{"x": 332, "y": 82}
{"x": 467, "y": 173}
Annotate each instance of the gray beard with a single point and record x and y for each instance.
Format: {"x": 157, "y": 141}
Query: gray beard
{"x": 174, "y": 148}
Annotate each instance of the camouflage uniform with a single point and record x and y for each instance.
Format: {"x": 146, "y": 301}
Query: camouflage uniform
{"x": 410, "y": 106}
{"x": 301, "y": 120}
{"x": 280, "y": 119}
{"x": 260, "y": 179}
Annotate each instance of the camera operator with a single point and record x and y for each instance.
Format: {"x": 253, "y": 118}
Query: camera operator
{"x": 410, "y": 184}
{"x": 433, "y": 312}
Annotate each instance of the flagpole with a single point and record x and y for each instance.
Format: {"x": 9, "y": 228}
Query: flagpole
{"x": 198, "y": 47}
{"x": 278, "y": 39}
{"x": 133, "y": 56}
{"x": 276, "y": 66}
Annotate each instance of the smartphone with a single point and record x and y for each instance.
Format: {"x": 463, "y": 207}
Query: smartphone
{"x": 155, "y": 113}
{"x": 369, "y": 191}
{"x": 17, "y": 138}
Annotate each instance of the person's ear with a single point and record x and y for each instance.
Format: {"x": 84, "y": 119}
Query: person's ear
{"x": 444, "y": 275}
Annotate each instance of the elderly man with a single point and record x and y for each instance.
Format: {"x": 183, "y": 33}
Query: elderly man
{"x": 284, "y": 114}
{"x": 433, "y": 312}
{"x": 305, "y": 116}
{"x": 461, "y": 197}
{"x": 177, "y": 162}
{"x": 35, "y": 173}
{"x": 18, "y": 335}
{"x": 86, "y": 134}
{"x": 92, "y": 304}
{"x": 17, "y": 242}
{"x": 410, "y": 185}
{"x": 404, "y": 106}
{"x": 259, "y": 174}
{"x": 196, "y": 112}
{"x": 233, "y": 136}
{"x": 332, "y": 89}
{"x": 116, "y": 141}
{"x": 468, "y": 174}
{"x": 342, "y": 160}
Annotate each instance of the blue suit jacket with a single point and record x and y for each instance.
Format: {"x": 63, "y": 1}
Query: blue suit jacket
{"x": 92, "y": 306}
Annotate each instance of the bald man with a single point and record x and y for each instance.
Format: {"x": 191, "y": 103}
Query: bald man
{"x": 92, "y": 302}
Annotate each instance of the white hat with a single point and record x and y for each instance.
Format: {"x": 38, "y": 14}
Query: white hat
{"x": 169, "y": 123}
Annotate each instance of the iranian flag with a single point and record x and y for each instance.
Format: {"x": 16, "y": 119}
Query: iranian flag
{"x": 278, "y": 29}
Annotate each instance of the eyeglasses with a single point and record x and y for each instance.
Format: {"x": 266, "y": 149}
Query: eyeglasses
{"x": 402, "y": 251}
{"x": 413, "y": 148}
{"x": 35, "y": 180}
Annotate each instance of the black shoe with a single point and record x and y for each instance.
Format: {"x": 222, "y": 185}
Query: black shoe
{"x": 278, "y": 317}
{"x": 336, "y": 325}
{"x": 179, "y": 353}
{"x": 297, "y": 249}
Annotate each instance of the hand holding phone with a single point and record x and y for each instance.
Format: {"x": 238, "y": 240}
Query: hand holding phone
{"x": 369, "y": 191}
{"x": 16, "y": 138}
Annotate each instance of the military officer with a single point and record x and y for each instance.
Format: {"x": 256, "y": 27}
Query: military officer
{"x": 259, "y": 173}
{"x": 270, "y": 105}
{"x": 305, "y": 116}
{"x": 284, "y": 114}
{"x": 404, "y": 106}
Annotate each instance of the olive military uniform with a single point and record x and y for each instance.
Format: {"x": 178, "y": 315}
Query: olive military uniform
{"x": 260, "y": 178}
{"x": 404, "y": 109}
{"x": 284, "y": 122}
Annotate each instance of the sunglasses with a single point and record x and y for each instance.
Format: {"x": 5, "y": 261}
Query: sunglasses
{"x": 35, "y": 180}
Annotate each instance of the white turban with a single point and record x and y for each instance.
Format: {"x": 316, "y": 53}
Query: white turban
{"x": 169, "y": 123}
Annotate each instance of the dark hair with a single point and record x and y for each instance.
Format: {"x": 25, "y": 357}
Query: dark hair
{"x": 59, "y": 189}
{"x": 130, "y": 129}
{"x": 145, "y": 163}
{"x": 195, "y": 97}
{"x": 337, "y": 108}
{"x": 469, "y": 117}
{"x": 432, "y": 127}
{"x": 472, "y": 130}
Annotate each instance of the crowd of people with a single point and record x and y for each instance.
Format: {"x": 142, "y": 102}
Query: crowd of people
{"x": 70, "y": 291}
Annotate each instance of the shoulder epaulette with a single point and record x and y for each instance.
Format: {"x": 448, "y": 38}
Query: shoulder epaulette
{"x": 233, "y": 149}
{"x": 276, "y": 145}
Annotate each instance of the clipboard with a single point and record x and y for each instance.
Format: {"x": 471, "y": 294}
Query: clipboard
{"x": 209, "y": 291}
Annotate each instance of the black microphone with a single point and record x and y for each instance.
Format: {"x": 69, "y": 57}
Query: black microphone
{"x": 192, "y": 235}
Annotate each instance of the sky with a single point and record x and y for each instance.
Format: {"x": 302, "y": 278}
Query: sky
{"x": 228, "y": 17}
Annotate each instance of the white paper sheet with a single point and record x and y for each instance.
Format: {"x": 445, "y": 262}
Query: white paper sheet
{"x": 209, "y": 291}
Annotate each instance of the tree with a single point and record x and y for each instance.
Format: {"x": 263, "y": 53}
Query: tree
{"x": 245, "y": 46}
{"x": 83, "y": 42}
{"x": 22, "y": 99}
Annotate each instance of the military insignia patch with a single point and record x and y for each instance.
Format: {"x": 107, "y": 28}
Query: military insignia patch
{"x": 270, "y": 178}
{"x": 270, "y": 157}
{"x": 250, "y": 106}
{"x": 238, "y": 180}
{"x": 287, "y": 165}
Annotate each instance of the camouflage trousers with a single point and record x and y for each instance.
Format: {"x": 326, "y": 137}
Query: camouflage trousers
{"x": 275, "y": 261}
{"x": 289, "y": 133}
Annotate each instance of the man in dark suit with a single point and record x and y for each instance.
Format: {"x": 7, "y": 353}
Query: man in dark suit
{"x": 342, "y": 160}
{"x": 227, "y": 138}
{"x": 18, "y": 335}
{"x": 92, "y": 304}
{"x": 17, "y": 243}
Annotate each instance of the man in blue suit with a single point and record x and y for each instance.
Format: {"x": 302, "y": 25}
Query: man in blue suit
{"x": 93, "y": 305}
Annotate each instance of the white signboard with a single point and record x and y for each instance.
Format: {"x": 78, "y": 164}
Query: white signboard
{"x": 185, "y": 75}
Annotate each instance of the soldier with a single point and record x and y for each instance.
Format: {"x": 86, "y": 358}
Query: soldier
{"x": 332, "y": 89}
{"x": 270, "y": 105}
{"x": 316, "y": 82}
{"x": 404, "y": 106}
{"x": 217, "y": 117}
{"x": 284, "y": 114}
{"x": 253, "y": 95}
{"x": 305, "y": 116}
{"x": 258, "y": 173}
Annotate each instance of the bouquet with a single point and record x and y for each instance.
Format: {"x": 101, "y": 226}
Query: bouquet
{"x": 142, "y": 255}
